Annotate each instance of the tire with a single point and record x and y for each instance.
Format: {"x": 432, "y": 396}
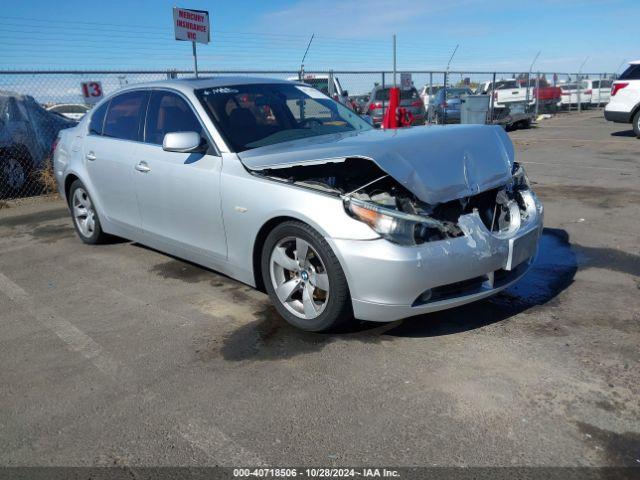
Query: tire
{"x": 85, "y": 218}
{"x": 636, "y": 124}
{"x": 313, "y": 297}
{"x": 15, "y": 165}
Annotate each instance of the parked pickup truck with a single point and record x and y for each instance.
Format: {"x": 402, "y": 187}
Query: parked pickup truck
{"x": 546, "y": 95}
{"x": 506, "y": 92}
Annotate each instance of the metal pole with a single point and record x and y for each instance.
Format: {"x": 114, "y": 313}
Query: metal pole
{"x": 394, "y": 61}
{"x": 429, "y": 94}
{"x": 383, "y": 89}
{"x": 537, "y": 93}
{"x": 195, "y": 58}
{"x": 493, "y": 88}
{"x": 444, "y": 109}
{"x": 599, "y": 88}
{"x": 578, "y": 93}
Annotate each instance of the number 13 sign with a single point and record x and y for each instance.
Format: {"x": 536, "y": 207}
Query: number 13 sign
{"x": 91, "y": 92}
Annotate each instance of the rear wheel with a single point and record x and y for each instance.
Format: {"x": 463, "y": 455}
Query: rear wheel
{"x": 85, "y": 217}
{"x": 304, "y": 278}
{"x": 636, "y": 124}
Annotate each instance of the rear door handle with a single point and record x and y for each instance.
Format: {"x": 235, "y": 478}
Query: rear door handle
{"x": 90, "y": 156}
{"x": 143, "y": 167}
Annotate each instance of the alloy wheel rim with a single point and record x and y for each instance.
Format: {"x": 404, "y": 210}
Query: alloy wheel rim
{"x": 299, "y": 277}
{"x": 13, "y": 172}
{"x": 83, "y": 212}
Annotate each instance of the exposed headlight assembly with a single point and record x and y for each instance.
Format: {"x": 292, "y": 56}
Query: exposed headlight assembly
{"x": 397, "y": 227}
{"x": 519, "y": 177}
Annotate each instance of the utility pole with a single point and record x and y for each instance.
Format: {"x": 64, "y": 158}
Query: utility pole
{"x": 301, "y": 72}
{"x": 395, "y": 84}
{"x": 578, "y": 80}
{"x": 446, "y": 74}
{"x": 529, "y": 77}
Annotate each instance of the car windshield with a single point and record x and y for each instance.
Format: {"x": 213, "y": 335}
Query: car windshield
{"x": 252, "y": 116}
{"x": 409, "y": 94}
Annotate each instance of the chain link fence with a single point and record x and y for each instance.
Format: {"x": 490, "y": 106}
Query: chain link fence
{"x": 36, "y": 105}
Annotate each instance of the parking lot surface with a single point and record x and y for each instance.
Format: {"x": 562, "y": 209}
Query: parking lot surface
{"x": 120, "y": 355}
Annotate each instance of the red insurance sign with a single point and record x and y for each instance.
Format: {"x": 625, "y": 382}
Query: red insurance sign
{"x": 191, "y": 25}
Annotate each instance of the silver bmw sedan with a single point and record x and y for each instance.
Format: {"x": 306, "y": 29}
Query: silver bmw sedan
{"x": 280, "y": 187}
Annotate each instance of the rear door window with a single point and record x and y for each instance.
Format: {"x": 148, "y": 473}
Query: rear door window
{"x": 168, "y": 112}
{"x": 97, "y": 119}
{"x": 125, "y": 115}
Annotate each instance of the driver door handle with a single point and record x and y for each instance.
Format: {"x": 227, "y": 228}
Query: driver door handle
{"x": 143, "y": 167}
{"x": 90, "y": 156}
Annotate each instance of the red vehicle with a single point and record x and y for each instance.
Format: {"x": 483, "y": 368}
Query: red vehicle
{"x": 547, "y": 96}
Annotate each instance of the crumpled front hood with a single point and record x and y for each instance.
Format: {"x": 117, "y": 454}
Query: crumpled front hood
{"x": 436, "y": 164}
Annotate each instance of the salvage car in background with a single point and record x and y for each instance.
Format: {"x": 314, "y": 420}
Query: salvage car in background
{"x": 27, "y": 132}
{"x": 74, "y": 111}
{"x": 360, "y": 102}
{"x": 624, "y": 104}
{"x": 409, "y": 100}
{"x": 600, "y": 91}
{"x": 574, "y": 94}
{"x": 332, "y": 218}
{"x": 445, "y": 105}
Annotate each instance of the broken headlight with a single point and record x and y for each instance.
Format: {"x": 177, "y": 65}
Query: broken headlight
{"x": 519, "y": 177}
{"x": 397, "y": 227}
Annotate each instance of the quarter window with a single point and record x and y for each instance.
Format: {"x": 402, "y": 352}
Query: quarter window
{"x": 97, "y": 119}
{"x": 167, "y": 113}
{"x": 124, "y": 115}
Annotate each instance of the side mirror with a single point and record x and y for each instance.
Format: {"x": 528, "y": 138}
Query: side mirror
{"x": 345, "y": 93}
{"x": 184, "y": 142}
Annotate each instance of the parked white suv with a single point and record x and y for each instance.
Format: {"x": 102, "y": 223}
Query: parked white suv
{"x": 624, "y": 105}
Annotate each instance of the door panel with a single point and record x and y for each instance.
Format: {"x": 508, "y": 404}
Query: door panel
{"x": 111, "y": 173}
{"x": 109, "y": 155}
{"x": 178, "y": 193}
{"x": 179, "y": 198}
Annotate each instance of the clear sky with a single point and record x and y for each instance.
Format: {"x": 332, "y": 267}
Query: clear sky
{"x": 272, "y": 34}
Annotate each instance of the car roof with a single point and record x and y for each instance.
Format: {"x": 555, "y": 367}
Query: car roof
{"x": 186, "y": 84}
{"x": 635, "y": 62}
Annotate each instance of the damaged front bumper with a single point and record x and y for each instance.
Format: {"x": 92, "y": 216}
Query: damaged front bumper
{"x": 389, "y": 281}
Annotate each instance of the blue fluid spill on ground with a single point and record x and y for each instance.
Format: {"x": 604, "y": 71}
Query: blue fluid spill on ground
{"x": 552, "y": 272}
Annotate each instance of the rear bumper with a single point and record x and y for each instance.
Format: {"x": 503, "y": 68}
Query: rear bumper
{"x": 617, "y": 117}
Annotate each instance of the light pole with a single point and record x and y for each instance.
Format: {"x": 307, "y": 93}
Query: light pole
{"x": 529, "y": 78}
{"x": 578, "y": 80}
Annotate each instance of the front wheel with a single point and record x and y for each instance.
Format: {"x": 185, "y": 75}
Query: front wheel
{"x": 304, "y": 278}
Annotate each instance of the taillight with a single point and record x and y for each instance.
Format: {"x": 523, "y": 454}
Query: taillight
{"x": 617, "y": 86}
{"x": 588, "y": 92}
{"x": 417, "y": 103}
{"x": 444, "y": 105}
{"x": 373, "y": 106}
{"x": 54, "y": 145}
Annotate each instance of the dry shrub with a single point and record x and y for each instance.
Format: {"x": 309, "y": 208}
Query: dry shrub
{"x": 46, "y": 177}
